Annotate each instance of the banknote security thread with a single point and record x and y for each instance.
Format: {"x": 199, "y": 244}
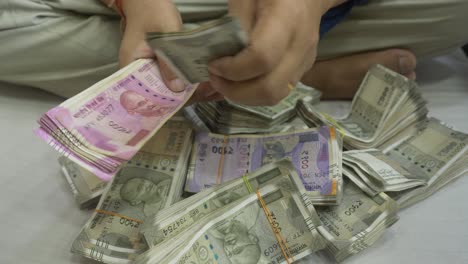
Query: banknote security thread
{"x": 247, "y": 183}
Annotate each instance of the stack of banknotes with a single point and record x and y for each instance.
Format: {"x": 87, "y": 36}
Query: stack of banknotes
{"x": 104, "y": 126}
{"x": 226, "y": 117}
{"x": 152, "y": 180}
{"x": 315, "y": 154}
{"x": 255, "y": 219}
{"x": 357, "y": 222}
{"x": 385, "y": 104}
{"x": 171, "y": 191}
{"x": 414, "y": 168}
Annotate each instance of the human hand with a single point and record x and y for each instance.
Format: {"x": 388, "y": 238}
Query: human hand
{"x": 283, "y": 45}
{"x": 144, "y": 16}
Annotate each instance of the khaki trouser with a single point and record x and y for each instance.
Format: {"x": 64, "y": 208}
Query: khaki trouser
{"x": 65, "y": 46}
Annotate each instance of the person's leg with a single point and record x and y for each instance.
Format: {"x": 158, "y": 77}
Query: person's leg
{"x": 60, "y": 46}
{"x": 369, "y": 34}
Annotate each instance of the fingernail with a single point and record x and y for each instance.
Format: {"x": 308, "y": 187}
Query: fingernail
{"x": 405, "y": 65}
{"x": 176, "y": 85}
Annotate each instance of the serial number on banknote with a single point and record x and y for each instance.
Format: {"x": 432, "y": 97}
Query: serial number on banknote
{"x": 168, "y": 230}
{"x": 353, "y": 207}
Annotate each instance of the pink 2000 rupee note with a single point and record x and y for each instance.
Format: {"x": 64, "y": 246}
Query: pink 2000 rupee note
{"x": 115, "y": 117}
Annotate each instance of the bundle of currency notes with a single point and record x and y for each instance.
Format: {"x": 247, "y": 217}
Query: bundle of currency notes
{"x": 152, "y": 180}
{"x": 385, "y": 104}
{"x": 248, "y": 220}
{"x": 375, "y": 172}
{"x": 357, "y": 222}
{"x": 413, "y": 168}
{"x": 315, "y": 153}
{"x": 189, "y": 52}
{"x": 104, "y": 126}
{"x": 436, "y": 155}
{"x": 226, "y": 117}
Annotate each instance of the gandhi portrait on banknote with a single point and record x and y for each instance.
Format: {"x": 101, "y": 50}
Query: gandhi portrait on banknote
{"x": 149, "y": 192}
{"x": 274, "y": 149}
{"x": 238, "y": 239}
{"x": 135, "y": 103}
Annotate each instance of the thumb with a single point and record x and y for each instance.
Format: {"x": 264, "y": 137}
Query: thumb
{"x": 150, "y": 16}
{"x": 170, "y": 79}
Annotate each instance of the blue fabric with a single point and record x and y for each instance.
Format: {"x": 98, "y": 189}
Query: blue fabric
{"x": 336, "y": 14}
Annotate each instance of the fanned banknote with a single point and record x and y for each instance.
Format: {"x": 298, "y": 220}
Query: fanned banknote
{"x": 275, "y": 223}
{"x": 315, "y": 153}
{"x": 437, "y": 155}
{"x": 86, "y": 187}
{"x": 385, "y": 104}
{"x": 152, "y": 180}
{"x": 226, "y": 117}
{"x": 188, "y": 53}
{"x": 374, "y": 172}
{"x": 357, "y": 222}
{"x": 104, "y": 126}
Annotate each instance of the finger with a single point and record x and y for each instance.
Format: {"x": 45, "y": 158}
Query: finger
{"x": 270, "y": 38}
{"x": 134, "y": 45}
{"x": 205, "y": 93}
{"x": 268, "y": 89}
{"x": 170, "y": 78}
{"x": 132, "y": 48}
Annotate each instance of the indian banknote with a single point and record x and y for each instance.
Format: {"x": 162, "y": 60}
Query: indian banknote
{"x": 375, "y": 172}
{"x": 226, "y": 117}
{"x": 104, "y": 126}
{"x": 273, "y": 225}
{"x": 436, "y": 155}
{"x": 188, "y": 53}
{"x": 186, "y": 213}
{"x": 152, "y": 180}
{"x": 86, "y": 187}
{"x": 385, "y": 104}
{"x": 315, "y": 153}
{"x": 357, "y": 222}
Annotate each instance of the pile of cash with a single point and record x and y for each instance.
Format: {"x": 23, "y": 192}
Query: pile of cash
{"x": 266, "y": 188}
{"x": 315, "y": 153}
{"x": 385, "y": 104}
{"x": 226, "y": 117}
